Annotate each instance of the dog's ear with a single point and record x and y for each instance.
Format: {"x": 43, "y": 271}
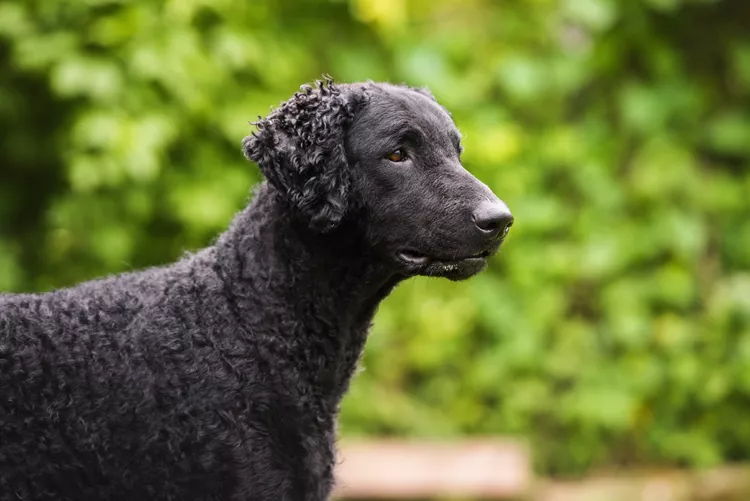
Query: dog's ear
{"x": 300, "y": 149}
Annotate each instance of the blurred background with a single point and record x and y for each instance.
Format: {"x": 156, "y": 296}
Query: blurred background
{"x": 613, "y": 330}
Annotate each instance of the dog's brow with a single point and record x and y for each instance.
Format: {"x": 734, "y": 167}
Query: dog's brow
{"x": 456, "y": 137}
{"x": 405, "y": 130}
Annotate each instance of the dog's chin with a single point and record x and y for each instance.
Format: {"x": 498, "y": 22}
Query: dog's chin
{"x": 454, "y": 269}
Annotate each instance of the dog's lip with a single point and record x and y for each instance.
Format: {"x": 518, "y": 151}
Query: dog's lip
{"x": 416, "y": 258}
{"x": 413, "y": 257}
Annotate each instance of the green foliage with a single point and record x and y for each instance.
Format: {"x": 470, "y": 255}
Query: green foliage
{"x": 613, "y": 329}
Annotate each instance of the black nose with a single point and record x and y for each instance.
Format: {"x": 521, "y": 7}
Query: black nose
{"x": 493, "y": 217}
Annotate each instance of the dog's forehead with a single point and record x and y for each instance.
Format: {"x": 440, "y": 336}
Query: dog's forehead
{"x": 401, "y": 104}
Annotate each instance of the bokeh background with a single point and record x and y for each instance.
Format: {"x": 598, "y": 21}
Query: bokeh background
{"x": 613, "y": 330}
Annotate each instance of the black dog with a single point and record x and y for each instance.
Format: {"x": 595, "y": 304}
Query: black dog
{"x": 219, "y": 377}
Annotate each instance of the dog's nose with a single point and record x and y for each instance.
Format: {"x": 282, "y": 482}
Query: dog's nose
{"x": 493, "y": 218}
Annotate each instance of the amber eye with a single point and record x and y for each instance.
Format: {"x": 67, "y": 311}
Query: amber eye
{"x": 397, "y": 156}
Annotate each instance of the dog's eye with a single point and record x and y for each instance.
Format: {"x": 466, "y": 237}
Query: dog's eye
{"x": 397, "y": 156}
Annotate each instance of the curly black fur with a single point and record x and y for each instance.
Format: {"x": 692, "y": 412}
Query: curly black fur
{"x": 219, "y": 377}
{"x": 300, "y": 149}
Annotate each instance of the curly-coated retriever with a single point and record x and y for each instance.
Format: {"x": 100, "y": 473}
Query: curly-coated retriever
{"x": 219, "y": 377}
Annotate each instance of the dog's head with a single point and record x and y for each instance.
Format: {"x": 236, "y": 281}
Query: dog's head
{"x": 385, "y": 159}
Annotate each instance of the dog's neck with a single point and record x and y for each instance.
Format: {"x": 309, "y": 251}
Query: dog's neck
{"x": 318, "y": 293}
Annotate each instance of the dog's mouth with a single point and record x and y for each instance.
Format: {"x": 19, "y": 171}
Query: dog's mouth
{"x": 418, "y": 259}
{"x": 457, "y": 268}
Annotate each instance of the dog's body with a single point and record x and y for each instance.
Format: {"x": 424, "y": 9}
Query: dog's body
{"x": 219, "y": 377}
